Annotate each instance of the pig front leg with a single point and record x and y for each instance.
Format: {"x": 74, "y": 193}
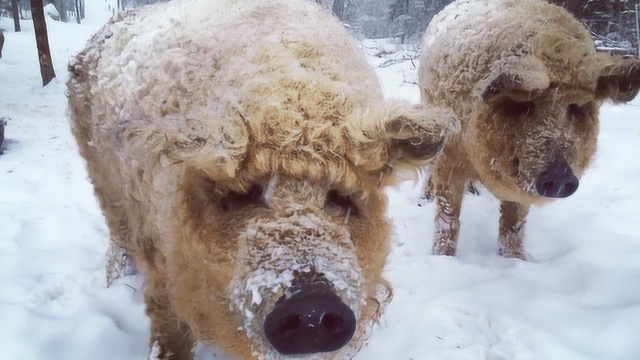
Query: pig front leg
{"x": 512, "y": 220}
{"x": 170, "y": 338}
{"x": 448, "y": 191}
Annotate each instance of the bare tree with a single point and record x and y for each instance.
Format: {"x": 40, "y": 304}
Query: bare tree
{"x": 16, "y": 15}
{"x": 61, "y": 6}
{"x": 42, "y": 41}
{"x": 338, "y": 9}
{"x": 79, "y": 9}
{"x": 576, "y": 7}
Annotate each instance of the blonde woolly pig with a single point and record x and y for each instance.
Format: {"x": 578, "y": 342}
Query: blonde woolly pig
{"x": 526, "y": 82}
{"x": 238, "y": 150}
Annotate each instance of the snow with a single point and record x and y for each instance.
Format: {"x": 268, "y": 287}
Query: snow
{"x": 576, "y": 298}
{"x": 51, "y": 10}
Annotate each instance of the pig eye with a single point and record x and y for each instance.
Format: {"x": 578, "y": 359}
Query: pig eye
{"x": 576, "y": 111}
{"x": 345, "y": 202}
{"x": 236, "y": 200}
{"x": 512, "y": 108}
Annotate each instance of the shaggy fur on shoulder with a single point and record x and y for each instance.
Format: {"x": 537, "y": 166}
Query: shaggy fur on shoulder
{"x": 236, "y": 147}
{"x": 526, "y": 82}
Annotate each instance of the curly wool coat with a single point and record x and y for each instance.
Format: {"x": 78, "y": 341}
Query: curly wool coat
{"x": 233, "y": 146}
{"x": 526, "y": 82}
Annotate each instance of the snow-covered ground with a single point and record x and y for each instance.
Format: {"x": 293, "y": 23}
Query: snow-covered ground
{"x": 576, "y": 298}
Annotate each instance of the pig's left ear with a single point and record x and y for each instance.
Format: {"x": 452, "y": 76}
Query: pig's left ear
{"x": 415, "y": 134}
{"x": 620, "y": 81}
{"x": 513, "y": 75}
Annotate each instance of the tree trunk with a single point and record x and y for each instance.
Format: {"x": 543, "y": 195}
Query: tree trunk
{"x": 79, "y": 11}
{"x": 16, "y": 14}
{"x": 62, "y": 10}
{"x": 638, "y": 27}
{"x": 82, "y": 9}
{"x": 42, "y": 41}
{"x": 338, "y": 9}
{"x": 575, "y": 7}
{"x": 617, "y": 10}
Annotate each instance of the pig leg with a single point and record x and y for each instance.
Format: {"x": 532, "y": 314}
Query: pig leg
{"x": 170, "y": 338}
{"x": 512, "y": 219}
{"x": 448, "y": 192}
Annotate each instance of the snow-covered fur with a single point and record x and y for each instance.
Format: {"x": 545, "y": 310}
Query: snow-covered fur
{"x": 526, "y": 82}
{"x": 235, "y": 145}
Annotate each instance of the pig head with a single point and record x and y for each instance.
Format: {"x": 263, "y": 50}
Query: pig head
{"x": 288, "y": 242}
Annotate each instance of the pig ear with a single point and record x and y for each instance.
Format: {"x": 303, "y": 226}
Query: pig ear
{"x": 501, "y": 85}
{"x": 619, "y": 82}
{"x": 212, "y": 145}
{"x": 514, "y": 74}
{"x": 417, "y": 134}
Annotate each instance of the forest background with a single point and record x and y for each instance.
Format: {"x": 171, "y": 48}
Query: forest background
{"x": 613, "y": 23}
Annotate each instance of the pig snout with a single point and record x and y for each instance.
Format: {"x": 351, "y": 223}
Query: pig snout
{"x": 557, "y": 180}
{"x": 312, "y": 320}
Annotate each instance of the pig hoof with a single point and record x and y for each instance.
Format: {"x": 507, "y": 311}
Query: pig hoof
{"x": 444, "y": 250}
{"x": 513, "y": 254}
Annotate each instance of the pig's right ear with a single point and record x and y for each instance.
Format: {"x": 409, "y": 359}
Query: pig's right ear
{"x": 416, "y": 134}
{"x": 212, "y": 145}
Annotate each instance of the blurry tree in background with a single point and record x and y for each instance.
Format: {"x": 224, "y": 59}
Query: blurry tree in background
{"x": 612, "y": 22}
{"x": 130, "y": 4}
{"x": 68, "y": 10}
{"x": 42, "y": 42}
{"x": 338, "y": 7}
{"x": 409, "y": 18}
{"x": 79, "y": 7}
{"x": 15, "y": 13}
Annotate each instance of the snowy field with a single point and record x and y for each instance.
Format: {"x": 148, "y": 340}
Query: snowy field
{"x": 576, "y": 298}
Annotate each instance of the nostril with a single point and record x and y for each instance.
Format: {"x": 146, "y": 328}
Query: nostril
{"x": 334, "y": 323}
{"x": 548, "y": 185}
{"x": 289, "y": 324}
{"x": 570, "y": 187}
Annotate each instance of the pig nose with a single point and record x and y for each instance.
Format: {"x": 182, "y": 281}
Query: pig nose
{"x": 557, "y": 180}
{"x": 313, "y": 320}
